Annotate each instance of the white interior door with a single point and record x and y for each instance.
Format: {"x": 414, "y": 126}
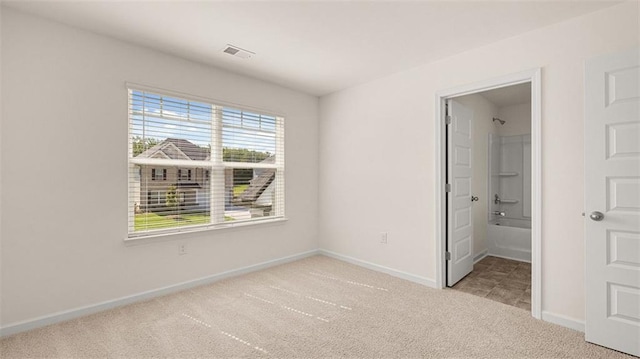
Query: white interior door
{"x": 612, "y": 201}
{"x": 459, "y": 215}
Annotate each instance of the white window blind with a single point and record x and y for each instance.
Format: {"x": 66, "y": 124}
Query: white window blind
{"x": 196, "y": 164}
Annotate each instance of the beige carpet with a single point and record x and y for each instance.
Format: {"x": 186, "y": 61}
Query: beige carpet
{"x": 314, "y": 308}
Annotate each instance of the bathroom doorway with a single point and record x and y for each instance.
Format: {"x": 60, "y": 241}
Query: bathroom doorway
{"x": 500, "y": 218}
{"x": 489, "y": 209}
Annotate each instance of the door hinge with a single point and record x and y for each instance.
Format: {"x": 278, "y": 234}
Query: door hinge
{"x": 447, "y": 256}
{"x": 447, "y": 120}
{"x": 447, "y": 187}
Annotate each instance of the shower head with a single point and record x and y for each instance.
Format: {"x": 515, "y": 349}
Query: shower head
{"x": 499, "y": 120}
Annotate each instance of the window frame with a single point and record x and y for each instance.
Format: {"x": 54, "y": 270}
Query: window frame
{"x": 180, "y": 177}
{"x": 162, "y": 176}
{"x": 215, "y": 167}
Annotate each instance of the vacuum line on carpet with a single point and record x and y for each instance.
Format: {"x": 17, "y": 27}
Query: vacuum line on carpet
{"x": 197, "y": 320}
{"x": 285, "y": 307}
{"x": 225, "y": 333}
{"x": 296, "y": 311}
{"x": 285, "y": 290}
{"x": 349, "y": 281}
{"x": 244, "y": 342}
{"x": 258, "y": 298}
{"x": 308, "y": 297}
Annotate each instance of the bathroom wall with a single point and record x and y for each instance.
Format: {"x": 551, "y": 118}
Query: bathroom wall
{"x": 526, "y": 174}
{"x": 494, "y": 171}
{"x": 517, "y": 117}
{"x": 513, "y": 178}
{"x": 483, "y": 113}
{"x": 508, "y": 155}
{"x": 516, "y": 157}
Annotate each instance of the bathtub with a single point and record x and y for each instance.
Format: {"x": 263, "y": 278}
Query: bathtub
{"x": 510, "y": 238}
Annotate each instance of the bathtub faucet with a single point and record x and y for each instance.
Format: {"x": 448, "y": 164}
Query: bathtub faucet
{"x": 498, "y": 213}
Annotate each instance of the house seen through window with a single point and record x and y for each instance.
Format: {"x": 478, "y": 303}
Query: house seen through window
{"x": 158, "y": 174}
{"x": 199, "y": 164}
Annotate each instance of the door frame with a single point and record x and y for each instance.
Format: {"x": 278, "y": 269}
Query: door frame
{"x": 534, "y": 77}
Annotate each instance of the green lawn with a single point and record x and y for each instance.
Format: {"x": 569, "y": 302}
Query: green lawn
{"x": 147, "y": 221}
{"x": 237, "y": 190}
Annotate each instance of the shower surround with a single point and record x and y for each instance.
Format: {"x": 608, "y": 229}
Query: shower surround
{"x": 509, "y": 235}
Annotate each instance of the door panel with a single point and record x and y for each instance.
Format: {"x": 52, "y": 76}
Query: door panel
{"x": 623, "y": 249}
{"x": 612, "y": 186}
{"x": 459, "y": 213}
{"x": 622, "y": 85}
{"x": 623, "y": 140}
{"x": 624, "y": 194}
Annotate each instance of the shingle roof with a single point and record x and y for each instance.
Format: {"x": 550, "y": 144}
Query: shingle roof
{"x": 262, "y": 180}
{"x": 258, "y": 185}
{"x": 178, "y": 149}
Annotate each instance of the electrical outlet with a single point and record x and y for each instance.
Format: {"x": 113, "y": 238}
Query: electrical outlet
{"x": 383, "y": 237}
{"x": 182, "y": 249}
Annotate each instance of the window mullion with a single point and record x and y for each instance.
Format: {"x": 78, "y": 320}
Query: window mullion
{"x": 217, "y": 183}
{"x": 131, "y": 168}
{"x": 278, "y": 200}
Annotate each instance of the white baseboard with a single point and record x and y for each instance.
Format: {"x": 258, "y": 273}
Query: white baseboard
{"x": 110, "y": 304}
{"x": 480, "y": 256}
{"x": 564, "y": 321}
{"x": 99, "y": 307}
{"x": 393, "y": 272}
{"x": 507, "y": 257}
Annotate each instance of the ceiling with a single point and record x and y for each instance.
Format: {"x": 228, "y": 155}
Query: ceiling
{"x": 510, "y": 95}
{"x": 315, "y": 47}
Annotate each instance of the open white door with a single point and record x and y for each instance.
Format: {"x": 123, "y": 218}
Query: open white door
{"x": 459, "y": 215}
{"x": 612, "y": 200}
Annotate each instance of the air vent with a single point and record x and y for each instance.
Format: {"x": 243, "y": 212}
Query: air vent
{"x": 238, "y": 52}
{"x": 231, "y": 50}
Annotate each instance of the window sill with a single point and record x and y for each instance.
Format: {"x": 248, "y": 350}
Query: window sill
{"x": 164, "y": 236}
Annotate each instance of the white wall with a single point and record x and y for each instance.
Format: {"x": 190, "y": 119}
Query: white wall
{"x": 64, "y": 166}
{"x": 483, "y": 114}
{"x": 1, "y": 115}
{"x": 518, "y": 119}
{"x": 379, "y": 138}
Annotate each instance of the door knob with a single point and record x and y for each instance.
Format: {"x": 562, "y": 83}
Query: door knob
{"x": 596, "y": 216}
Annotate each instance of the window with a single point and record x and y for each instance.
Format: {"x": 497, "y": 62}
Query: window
{"x": 155, "y": 198}
{"x": 184, "y": 175}
{"x": 201, "y": 164}
{"x": 158, "y": 174}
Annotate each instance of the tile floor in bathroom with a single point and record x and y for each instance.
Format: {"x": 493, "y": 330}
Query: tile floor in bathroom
{"x": 503, "y": 280}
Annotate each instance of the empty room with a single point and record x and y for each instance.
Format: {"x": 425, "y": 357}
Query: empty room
{"x": 320, "y": 179}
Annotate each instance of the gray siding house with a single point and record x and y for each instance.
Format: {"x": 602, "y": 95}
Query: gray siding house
{"x": 191, "y": 184}
{"x": 193, "y": 190}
